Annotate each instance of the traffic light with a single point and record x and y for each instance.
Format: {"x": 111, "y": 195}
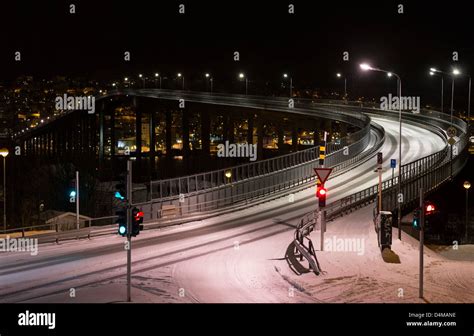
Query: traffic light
{"x": 429, "y": 208}
{"x": 416, "y": 219}
{"x": 321, "y": 192}
{"x": 121, "y": 188}
{"x": 137, "y": 220}
{"x": 122, "y": 222}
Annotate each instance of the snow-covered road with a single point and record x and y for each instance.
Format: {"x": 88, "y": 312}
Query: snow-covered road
{"x": 240, "y": 256}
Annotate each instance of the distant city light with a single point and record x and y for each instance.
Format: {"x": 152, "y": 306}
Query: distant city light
{"x": 241, "y": 75}
{"x": 456, "y": 72}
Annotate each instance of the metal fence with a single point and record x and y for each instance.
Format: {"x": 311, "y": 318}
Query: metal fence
{"x": 249, "y": 189}
{"x": 429, "y": 172}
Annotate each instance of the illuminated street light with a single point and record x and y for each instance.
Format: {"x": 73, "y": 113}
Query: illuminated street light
{"x": 181, "y": 76}
{"x": 210, "y": 80}
{"x": 466, "y": 186}
{"x": 285, "y": 75}
{"x": 157, "y": 75}
{"x": 4, "y": 152}
{"x": 228, "y": 173}
{"x": 366, "y": 67}
{"x": 389, "y": 74}
{"x": 434, "y": 72}
{"x": 143, "y": 78}
{"x": 242, "y": 76}
{"x": 339, "y": 75}
{"x": 456, "y": 72}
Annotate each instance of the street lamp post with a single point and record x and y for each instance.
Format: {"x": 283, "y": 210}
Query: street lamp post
{"x": 367, "y": 67}
{"x": 242, "y": 76}
{"x": 434, "y": 72}
{"x": 143, "y": 79}
{"x": 4, "y": 153}
{"x": 157, "y": 75}
{"x": 466, "y": 186}
{"x": 345, "y": 84}
{"x": 181, "y": 76}
{"x": 457, "y": 72}
{"x": 291, "y": 84}
{"x": 207, "y": 75}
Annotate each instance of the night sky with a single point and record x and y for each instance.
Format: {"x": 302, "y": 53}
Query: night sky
{"x": 308, "y": 45}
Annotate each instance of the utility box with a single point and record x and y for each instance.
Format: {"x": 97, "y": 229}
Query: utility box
{"x": 383, "y": 227}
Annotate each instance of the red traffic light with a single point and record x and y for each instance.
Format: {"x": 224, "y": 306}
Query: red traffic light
{"x": 429, "y": 208}
{"x": 321, "y": 192}
{"x": 139, "y": 215}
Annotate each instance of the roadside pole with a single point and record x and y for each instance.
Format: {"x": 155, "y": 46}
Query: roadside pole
{"x": 129, "y": 230}
{"x": 77, "y": 200}
{"x": 422, "y": 238}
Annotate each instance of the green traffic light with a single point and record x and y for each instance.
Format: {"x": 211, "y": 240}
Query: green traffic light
{"x": 119, "y": 195}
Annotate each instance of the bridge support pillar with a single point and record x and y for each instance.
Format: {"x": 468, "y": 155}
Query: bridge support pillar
{"x": 101, "y": 134}
{"x": 316, "y": 134}
{"x": 112, "y": 135}
{"x": 205, "y": 132}
{"x": 260, "y": 134}
{"x": 169, "y": 121}
{"x": 250, "y": 126}
{"x": 138, "y": 129}
{"x": 152, "y": 126}
{"x": 185, "y": 125}
{"x": 280, "y": 134}
{"x": 328, "y": 129}
{"x": 294, "y": 137}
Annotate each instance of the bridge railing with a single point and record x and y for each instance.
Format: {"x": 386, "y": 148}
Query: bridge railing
{"x": 245, "y": 191}
{"x": 173, "y": 187}
{"x": 429, "y": 172}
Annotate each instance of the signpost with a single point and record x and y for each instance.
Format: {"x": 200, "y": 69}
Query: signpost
{"x": 379, "y": 169}
{"x": 393, "y": 165}
{"x": 322, "y": 174}
{"x": 451, "y": 131}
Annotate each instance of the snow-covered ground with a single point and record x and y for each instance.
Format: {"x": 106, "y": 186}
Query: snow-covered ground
{"x": 241, "y": 256}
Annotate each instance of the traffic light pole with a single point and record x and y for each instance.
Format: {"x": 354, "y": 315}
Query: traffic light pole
{"x": 323, "y": 226}
{"x": 422, "y": 238}
{"x": 129, "y": 230}
{"x": 77, "y": 200}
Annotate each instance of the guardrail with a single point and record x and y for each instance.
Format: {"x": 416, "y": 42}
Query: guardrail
{"x": 250, "y": 189}
{"x": 429, "y": 172}
{"x": 304, "y": 228}
{"x": 54, "y": 232}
